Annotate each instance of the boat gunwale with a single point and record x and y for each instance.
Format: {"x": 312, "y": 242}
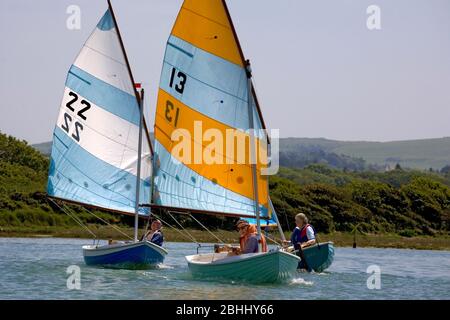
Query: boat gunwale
{"x": 94, "y": 249}
{"x": 318, "y": 245}
{"x": 237, "y": 259}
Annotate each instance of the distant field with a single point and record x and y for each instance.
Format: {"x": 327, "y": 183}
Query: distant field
{"x": 44, "y": 147}
{"x": 398, "y": 204}
{"x": 416, "y": 154}
{"x": 340, "y": 239}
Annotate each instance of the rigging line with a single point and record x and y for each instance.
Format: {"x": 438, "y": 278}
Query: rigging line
{"x": 170, "y": 226}
{"x": 74, "y": 218}
{"x": 193, "y": 239}
{"x": 109, "y": 224}
{"x": 201, "y": 224}
{"x": 73, "y": 215}
{"x": 286, "y": 220}
{"x": 272, "y": 239}
{"x": 147, "y": 224}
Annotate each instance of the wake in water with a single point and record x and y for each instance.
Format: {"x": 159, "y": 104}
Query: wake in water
{"x": 163, "y": 266}
{"x": 155, "y": 274}
{"x": 323, "y": 273}
{"x": 301, "y": 281}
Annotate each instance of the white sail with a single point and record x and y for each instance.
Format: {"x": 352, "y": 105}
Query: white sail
{"x": 95, "y": 141}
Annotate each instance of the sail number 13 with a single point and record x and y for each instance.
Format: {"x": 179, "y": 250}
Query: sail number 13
{"x": 179, "y": 87}
{"x": 172, "y": 113}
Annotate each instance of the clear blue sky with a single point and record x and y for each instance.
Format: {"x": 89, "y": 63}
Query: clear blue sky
{"x": 319, "y": 71}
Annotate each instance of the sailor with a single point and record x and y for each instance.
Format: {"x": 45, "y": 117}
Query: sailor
{"x": 303, "y": 236}
{"x": 155, "y": 234}
{"x": 248, "y": 239}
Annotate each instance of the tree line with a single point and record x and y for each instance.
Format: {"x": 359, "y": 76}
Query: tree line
{"x": 406, "y": 202}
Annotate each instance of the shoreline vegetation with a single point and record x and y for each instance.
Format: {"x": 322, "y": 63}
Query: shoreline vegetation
{"x": 340, "y": 239}
{"x": 399, "y": 208}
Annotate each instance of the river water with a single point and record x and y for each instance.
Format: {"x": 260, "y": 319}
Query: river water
{"x": 37, "y": 269}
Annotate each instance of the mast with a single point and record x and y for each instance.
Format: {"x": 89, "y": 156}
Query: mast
{"x": 138, "y": 174}
{"x": 140, "y": 100}
{"x": 251, "y": 95}
{"x": 241, "y": 52}
{"x": 253, "y": 160}
{"x": 136, "y": 94}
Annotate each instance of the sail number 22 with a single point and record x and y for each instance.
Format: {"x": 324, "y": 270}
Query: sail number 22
{"x": 84, "y": 106}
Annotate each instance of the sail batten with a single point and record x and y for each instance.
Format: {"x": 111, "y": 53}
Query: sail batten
{"x": 204, "y": 87}
{"x": 95, "y": 147}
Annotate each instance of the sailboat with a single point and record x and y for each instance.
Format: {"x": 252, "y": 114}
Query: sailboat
{"x": 98, "y": 158}
{"x": 206, "y": 84}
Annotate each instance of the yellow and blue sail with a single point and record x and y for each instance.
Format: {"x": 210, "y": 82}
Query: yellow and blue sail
{"x": 204, "y": 80}
{"x": 95, "y": 140}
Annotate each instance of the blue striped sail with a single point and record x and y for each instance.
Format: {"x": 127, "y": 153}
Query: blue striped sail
{"x": 264, "y": 223}
{"x": 95, "y": 140}
{"x": 203, "y": 80}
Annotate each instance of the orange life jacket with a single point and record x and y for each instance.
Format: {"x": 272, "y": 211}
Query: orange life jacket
{"x": 251, "y": 230}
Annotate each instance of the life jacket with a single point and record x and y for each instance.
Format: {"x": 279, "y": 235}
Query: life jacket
{"x": 251, "y": 231}
{"x": 303, "y": 235}
{"x": 153, "y": 235}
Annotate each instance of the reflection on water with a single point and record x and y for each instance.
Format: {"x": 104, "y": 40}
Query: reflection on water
{"x": 36, "y": 269}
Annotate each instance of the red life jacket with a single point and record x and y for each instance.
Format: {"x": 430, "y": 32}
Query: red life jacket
{"x": 303, "y": 235}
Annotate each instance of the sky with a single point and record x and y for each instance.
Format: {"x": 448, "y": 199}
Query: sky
{"x": 318, "y": 70}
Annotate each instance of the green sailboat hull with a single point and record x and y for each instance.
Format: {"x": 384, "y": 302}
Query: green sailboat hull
{"x": 269, "y": 267}
{"x": 320, "y": 256}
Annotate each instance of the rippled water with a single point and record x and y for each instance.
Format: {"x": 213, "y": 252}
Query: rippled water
{"x": 36, "y": 269}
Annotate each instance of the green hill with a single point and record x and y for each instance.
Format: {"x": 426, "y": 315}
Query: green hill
{"x": 416, "y": 154}
{"x": 405, "y": 202}
{"x": 23, "y": 179}
{"x": 45, "y": 147}
{"x": 355, "y": 155}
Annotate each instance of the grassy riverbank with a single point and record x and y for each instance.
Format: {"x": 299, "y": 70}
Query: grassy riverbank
{"x": 340, "y": 239}
{"x": 402, "y": 208}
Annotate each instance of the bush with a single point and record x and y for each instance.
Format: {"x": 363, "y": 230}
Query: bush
{"x": 407, "y": 233}
{"x": 403, "y": 201}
